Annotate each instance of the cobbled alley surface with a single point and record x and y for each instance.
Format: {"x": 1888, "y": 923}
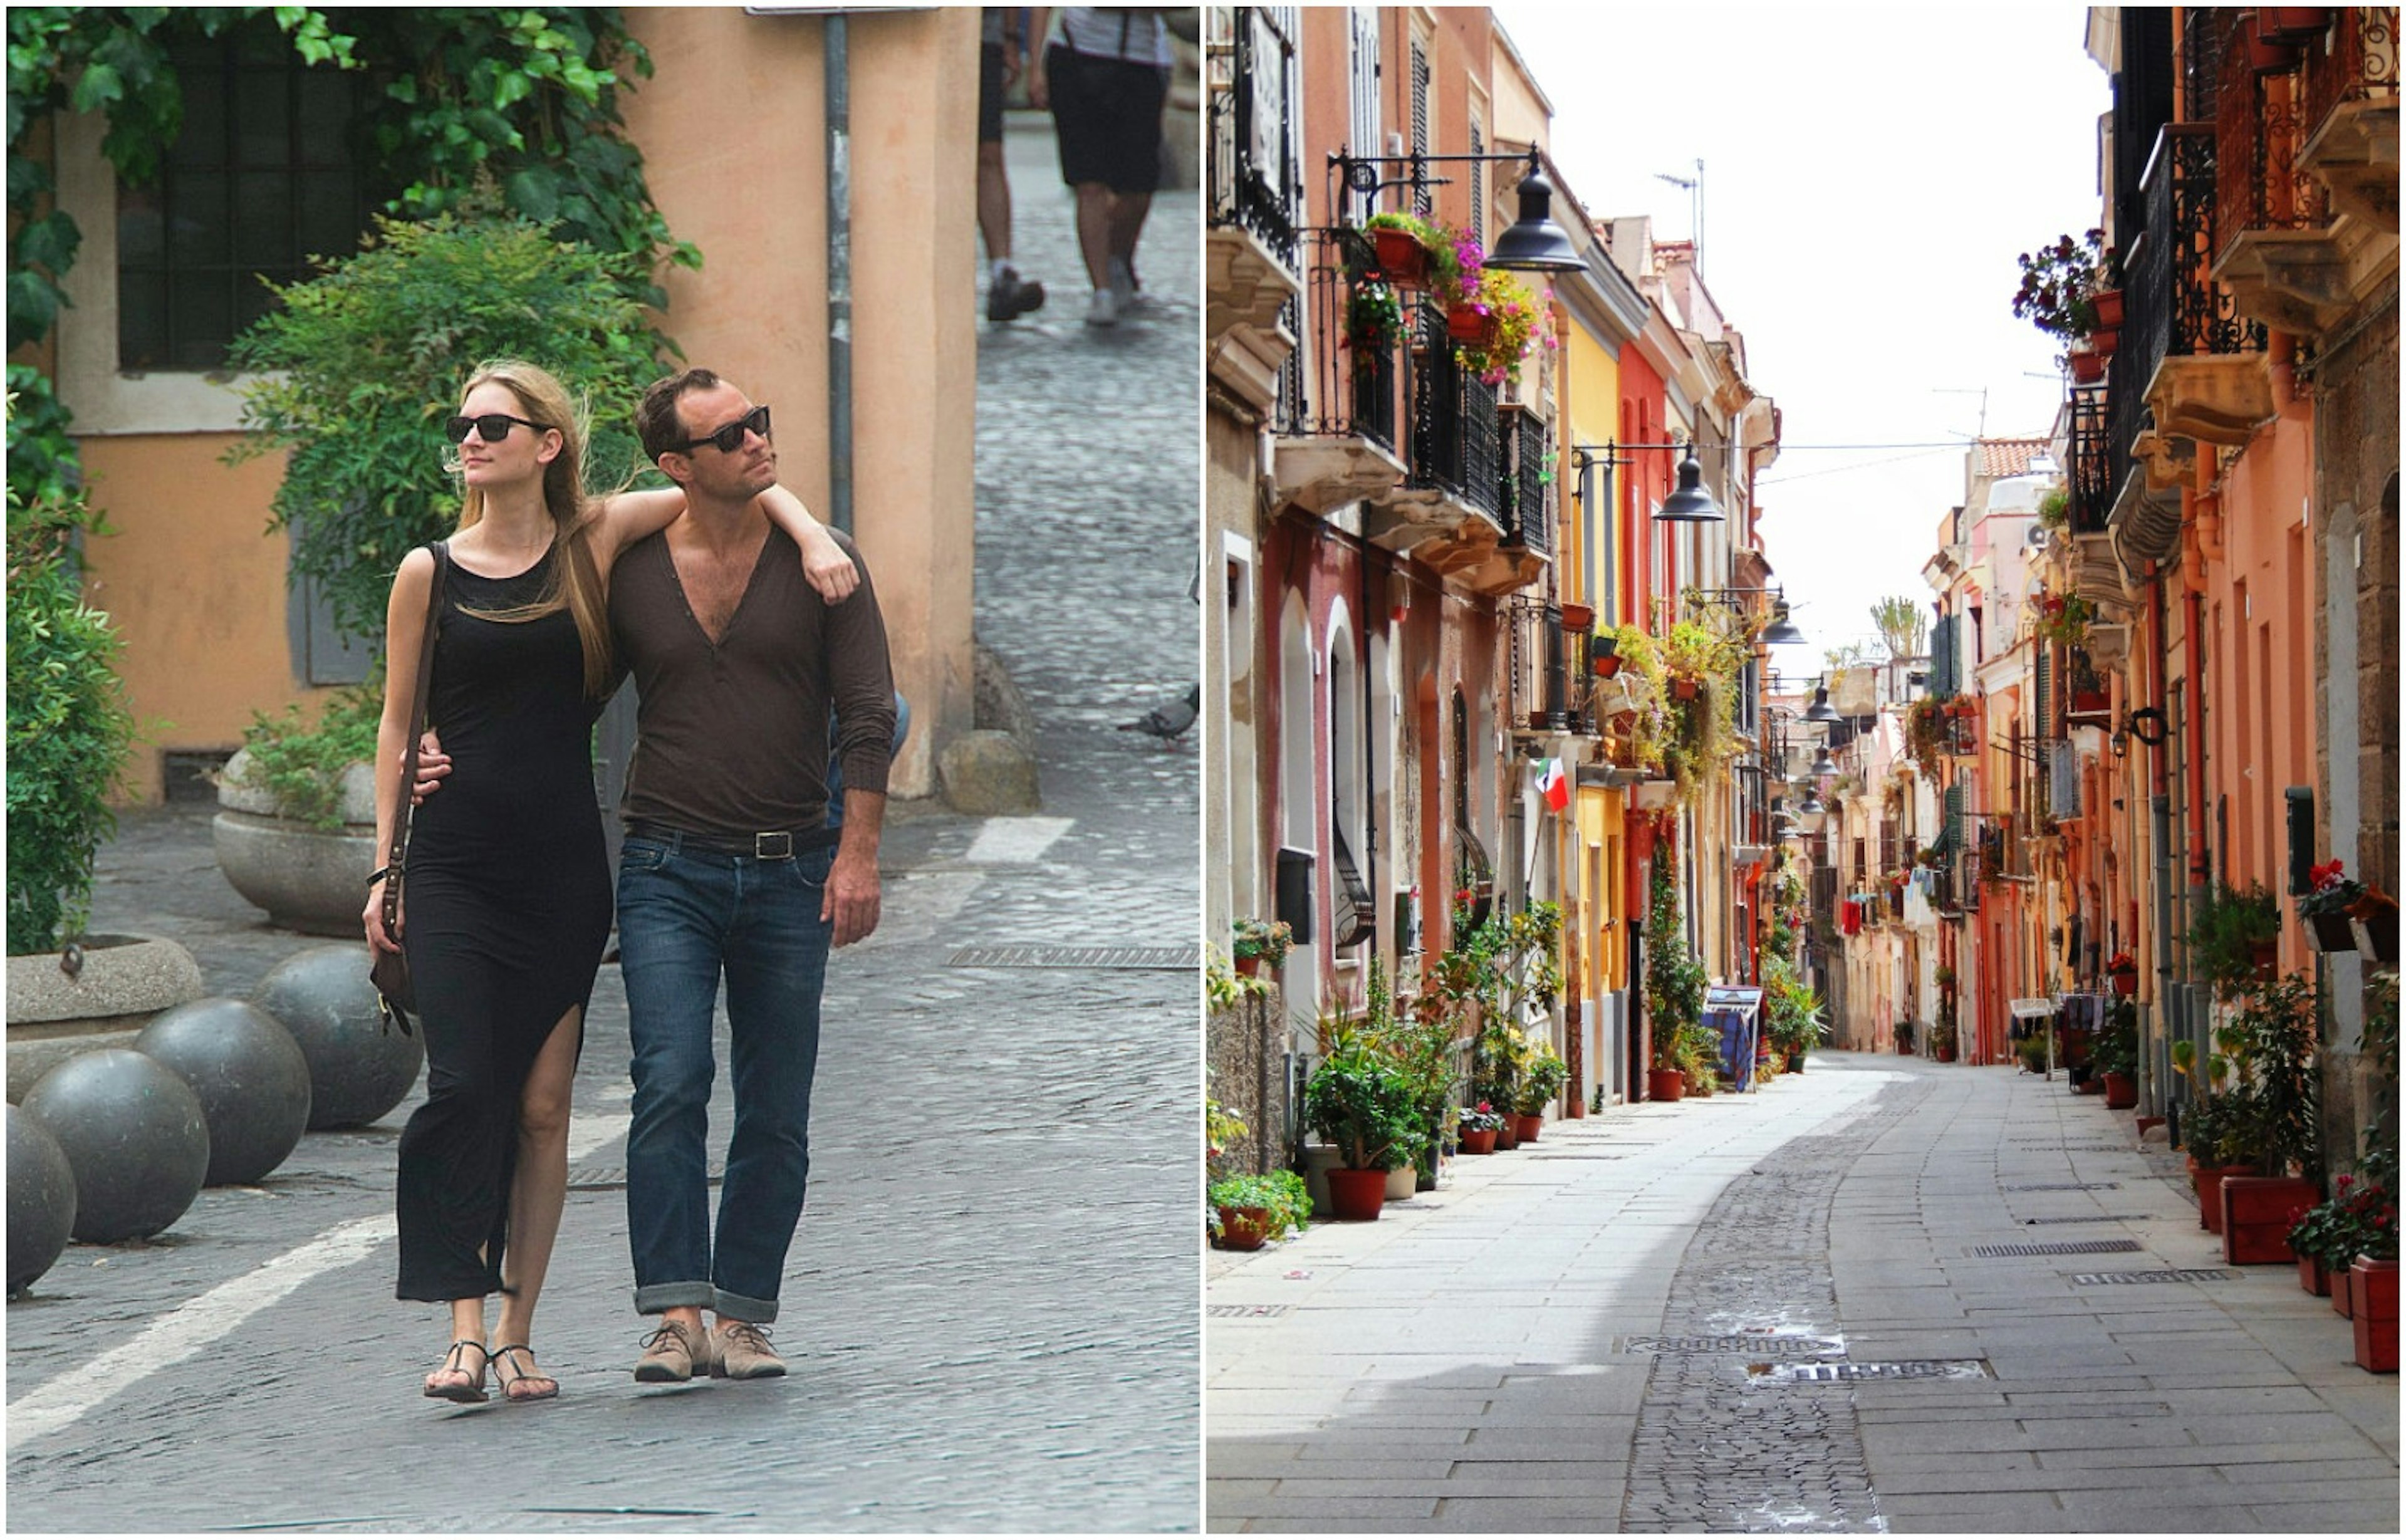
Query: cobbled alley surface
{"x": 991, "y": 1311}
{"x": 1886, "y": 1295}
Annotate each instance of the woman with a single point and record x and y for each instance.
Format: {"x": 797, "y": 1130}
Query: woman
{"x": 508, "y": 905}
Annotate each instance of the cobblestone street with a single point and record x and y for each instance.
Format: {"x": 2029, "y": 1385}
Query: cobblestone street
{"x": 1887, "y": 1295}
{"x": 991, "y": 1312}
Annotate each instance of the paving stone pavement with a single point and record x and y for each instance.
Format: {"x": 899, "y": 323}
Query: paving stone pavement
{"x": 1768, "y": 1314}
{"x": 991, "y": 1308}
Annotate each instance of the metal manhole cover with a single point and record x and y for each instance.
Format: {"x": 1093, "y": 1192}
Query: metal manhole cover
{"x": 1243, "y": 1312}
{"x": 2059, "y": 1186}
{"x": 2160, "y": 1274}
{"x": 1923, "y": 1368}
{"x": 1163, "y": 958}
{"x": 1755, "y": 1344}
{"x": 2053, "y": 1248}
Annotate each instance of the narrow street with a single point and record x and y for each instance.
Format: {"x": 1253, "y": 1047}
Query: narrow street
{"x": 1888, "y": 1294}
{"x": 990, "y": 1312}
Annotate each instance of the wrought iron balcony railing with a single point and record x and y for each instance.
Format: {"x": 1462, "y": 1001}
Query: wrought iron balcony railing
{"x": 2259, "y": 120}
{"x": 1333, "y": 386}
{"x": 2092, "y": 462}
{"x": 1527, "y": 511}
{"x": 1254, "y": 175}
{"x": 2171, "y": 305}
{"x": 1542, "y": 692}
{"x": 1453, "y": 447}
{"x": 2359, "y": 61}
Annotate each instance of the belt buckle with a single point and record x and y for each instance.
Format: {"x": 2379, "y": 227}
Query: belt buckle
{"x": 776, "y": 845}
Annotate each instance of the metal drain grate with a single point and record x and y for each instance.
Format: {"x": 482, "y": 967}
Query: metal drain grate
{"x": 1550, "y": 1154}
{"x": 1757, "y": 1345}
{"x": 2160, "y": 1274}
{"x": 1823, "y": 1374}
{"x": 2083, "y": 1218}
{"x": 1161, "y": 958}
{"x": 2053, "y": 1249}
{"x": 2059, "y": 1186}
{"x": 601, "y": 1178}
{"x": 1243, "y": 1312}
{"x": 2101, "y": 1149}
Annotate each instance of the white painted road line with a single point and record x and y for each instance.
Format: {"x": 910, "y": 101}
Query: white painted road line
{"x": 1009, "y": 842}
{"x": 194, "y": 1326}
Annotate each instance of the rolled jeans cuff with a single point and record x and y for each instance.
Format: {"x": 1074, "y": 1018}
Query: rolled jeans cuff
{"x": 653, "y": 1299}
{"x": 735, "y": 1306}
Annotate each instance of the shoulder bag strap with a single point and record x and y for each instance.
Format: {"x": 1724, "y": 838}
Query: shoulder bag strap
{"x": 395, "y": 857}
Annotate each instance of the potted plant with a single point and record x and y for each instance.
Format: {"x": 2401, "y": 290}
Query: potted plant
{"x": 2329, "y": 1236}
{"x": 1675, "y": 992}
{"x": 1545, "y": 1079}
{"x": 2373, "y": 919}
{"x": 2063, "y": 618}
{"x": 2059, "y": 287}
{"x": 2326, "y": 909}
{"x": 296, "y": 821}
{"x": 1423, "y": 1042}
{"x": 1942, "y": 1034}
{"x": 2116, "y": 1055}
{"x": 2122, "y": 970}
{"x": 1260, "y": 943}
{"x": 1904, "y": 1033}
{"x": 1247, "y": 1210}
{"x": 1479, "y": 1127}
{"x": 2233, "y": 936}
{"x": 1374, "y": 321}
{"x": 1361, "y": 1102}
{"x": 1405, "y": 249}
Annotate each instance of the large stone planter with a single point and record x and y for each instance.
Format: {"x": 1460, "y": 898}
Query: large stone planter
{"x": 123, "y": 982}
{"x": 306, "y": 879}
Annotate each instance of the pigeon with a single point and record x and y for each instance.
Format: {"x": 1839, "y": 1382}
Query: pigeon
{"x": 1168, "y": 722}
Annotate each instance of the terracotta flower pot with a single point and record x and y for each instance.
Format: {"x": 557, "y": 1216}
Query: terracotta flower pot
{"x": 1577, "y": 617}
{"x": 1473, "y": 325}
{"x": 2121, "y": 1091}
{"x": 1242, "y": 1229}
{"x": 2293, "y": 24}
{"x": 2126, "y": 982}
{"x": 2313, "y": 1276}
{"x": 2341, "y": 1286}
{"x": 2267, "y": 54}
{"x": 2330, "y": 932}
{"x": 2377, "y": 937}
{"x": 1508, "y": 1136}
{"x": 2256, "y": 1217}
{"x": 1478, "y": 1141}
{"x": 2108, "y": 303}
{"x": 1526, "y": 1125}
{"x": 1665, "y": 1085}
{"x": 2105, "y": 339}
{"x": 1401, "y": 258}
{"x": 1683, "y": 687}
{"x": 1356, "y": 1194}
{"x": 2209, "y": 1192}
{"x": 2088, "y": 368}
{"x": 1249, "y": 966}
{"x": 2372, "y": 1296}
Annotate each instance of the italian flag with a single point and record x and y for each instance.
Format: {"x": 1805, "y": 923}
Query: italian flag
{"x": 1553, "y": 785}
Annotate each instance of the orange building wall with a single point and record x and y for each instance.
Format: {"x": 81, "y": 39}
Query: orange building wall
{"x": 195, "y": 586}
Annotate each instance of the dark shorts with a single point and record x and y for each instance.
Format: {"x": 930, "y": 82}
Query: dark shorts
{"x": 990, "y": 94}
{"x": 1107, "y": 113}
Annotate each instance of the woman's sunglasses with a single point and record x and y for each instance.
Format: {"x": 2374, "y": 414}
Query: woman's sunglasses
{"x": 730, "y": 438}
{"x": 492, "y": 426}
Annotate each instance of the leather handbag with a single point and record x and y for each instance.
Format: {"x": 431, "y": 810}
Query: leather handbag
{"x": 396, "y": 997}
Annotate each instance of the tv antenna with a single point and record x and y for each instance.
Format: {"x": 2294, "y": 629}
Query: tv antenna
{"x": 1695, "y": 190}
{"x": 1982, "y": 393}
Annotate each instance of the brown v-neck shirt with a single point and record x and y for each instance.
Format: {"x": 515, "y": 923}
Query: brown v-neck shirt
{"x": 731, "y": 738}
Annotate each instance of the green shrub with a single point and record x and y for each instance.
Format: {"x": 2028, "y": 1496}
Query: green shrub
{"x": 2223, "y": 933}
{"x": 1284, "y": 1200}
{"x": 1362, "y": 1103}
{"x": 362, "y": 363}
{"x": 69, "y": 729}
{"x": 301, "y": 766}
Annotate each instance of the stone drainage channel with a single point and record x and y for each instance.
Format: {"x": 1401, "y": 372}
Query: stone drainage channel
{"x": 1748, "y": 1425}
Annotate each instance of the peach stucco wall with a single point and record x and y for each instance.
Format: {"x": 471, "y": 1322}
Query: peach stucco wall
{"x": 194, "y": 584}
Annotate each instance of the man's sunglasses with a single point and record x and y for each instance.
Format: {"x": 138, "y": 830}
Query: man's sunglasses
{"x": 492, "y": 426}
{"x": 730, "y": 438}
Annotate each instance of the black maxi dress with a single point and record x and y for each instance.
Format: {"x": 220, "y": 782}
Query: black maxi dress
{"x": 506, "y": 909}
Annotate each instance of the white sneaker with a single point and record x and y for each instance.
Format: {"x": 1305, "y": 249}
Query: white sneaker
{"x": 1104, "y": 309}
{"x": 1123, "y": 282}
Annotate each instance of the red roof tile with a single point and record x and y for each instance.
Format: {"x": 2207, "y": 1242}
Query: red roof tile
{"x": 2008, "y": 457}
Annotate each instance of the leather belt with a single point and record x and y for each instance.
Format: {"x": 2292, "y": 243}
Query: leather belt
{"x": 768, "y": 845}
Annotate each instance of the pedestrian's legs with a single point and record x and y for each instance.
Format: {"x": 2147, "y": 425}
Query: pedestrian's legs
{"x": 536, "y": 1197}
{"x": 1095, "y": 225}
{"x": 994, "y": 202}
{"x": 776, "y": 966}
{"x": 673, "y": 910}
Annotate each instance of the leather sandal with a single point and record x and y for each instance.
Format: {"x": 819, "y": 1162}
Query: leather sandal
{"x": 469, "y": 1394}
{"x": 510, "y": 1382}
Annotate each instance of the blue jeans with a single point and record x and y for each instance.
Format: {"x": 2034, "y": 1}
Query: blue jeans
{"x": 686, "y": 916}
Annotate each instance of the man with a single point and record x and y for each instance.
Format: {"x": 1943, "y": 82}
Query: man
{"x": 730, "y": 870}
{"x": 1105, "y": 79}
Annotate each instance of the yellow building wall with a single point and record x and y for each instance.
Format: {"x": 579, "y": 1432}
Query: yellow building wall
{"x": 1591, "y": 394}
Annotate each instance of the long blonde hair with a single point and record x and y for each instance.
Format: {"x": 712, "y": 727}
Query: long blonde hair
{"x": 575, "y": 582}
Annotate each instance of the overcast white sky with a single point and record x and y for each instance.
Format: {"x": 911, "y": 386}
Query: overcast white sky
{"x": 1870, "y": 176}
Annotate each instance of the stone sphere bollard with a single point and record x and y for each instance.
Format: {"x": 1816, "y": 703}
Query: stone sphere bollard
{"x": 358, "y": 1070}
{"x": 41, "y": 1199}
{"x": 136, "y": 1135}
{"x": 252, "y": 1077}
